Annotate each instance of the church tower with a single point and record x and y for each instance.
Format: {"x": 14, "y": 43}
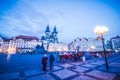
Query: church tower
{"x": 54, "y": 33}
{"x": 47, "y": 33}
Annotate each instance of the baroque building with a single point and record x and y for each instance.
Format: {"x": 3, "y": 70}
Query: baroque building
{"x": 115, "y": 42}
{"x": 86, "y": 44}
{"x": 28, "y": 44}
{"x": 20, "y": 44}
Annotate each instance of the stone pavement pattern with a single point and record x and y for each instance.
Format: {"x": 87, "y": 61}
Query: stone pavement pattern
{"x": 89, "y": 70}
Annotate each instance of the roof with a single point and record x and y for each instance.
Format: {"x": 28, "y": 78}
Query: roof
{"x": 54, "y": 30}
{"x": 51, "y": 36}
{"x": 7, "y": 40}
{"x": 116, "y": 37}
{"x": 47, "y": 29}
{"x": 83, "y": 38}
{"x": 43, "y": 38}
{"x": 27, "y": 37}
{"x": 3, "y": 37}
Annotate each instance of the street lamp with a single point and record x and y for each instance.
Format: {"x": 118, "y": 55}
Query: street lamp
{"x": 102, "y": 30}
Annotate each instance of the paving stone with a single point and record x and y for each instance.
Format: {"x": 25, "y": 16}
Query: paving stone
{"x": 32, "y": 67}
{"x": 115, "y": 64}
{"x": 83, "y": 77}
{"x": 89, "y": 65}
{"x": 22, "y": 78}
{"x": 97, "y": 63}
{"x": 41, "y": 77}
{"x": 111, "y": 69}
{"x": 102, "y": 75}
{"x": 77, "y": 63}
{"x": 9, "y": 76}
{"x": 64, "y": 73}
{"x": 89, "y": 61}
{"x": 118, "y": 61}
{"x": 57, "y": 68}
{"x": 80, "y": 69}
{"x": 33, "y": 72}
{"x": 66, "y": 65}
{"x": 100, "y": 61}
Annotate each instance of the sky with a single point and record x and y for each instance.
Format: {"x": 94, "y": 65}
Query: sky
{"x": 72, "y": 18}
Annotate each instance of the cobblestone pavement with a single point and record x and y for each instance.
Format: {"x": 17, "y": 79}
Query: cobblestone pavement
{"x": 89, "y": 70}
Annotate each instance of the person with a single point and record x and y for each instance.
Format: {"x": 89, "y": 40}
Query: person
{"x": 75, "y": 57}
{"x": 44, "y": 62}
{"x": 51, "y": 61}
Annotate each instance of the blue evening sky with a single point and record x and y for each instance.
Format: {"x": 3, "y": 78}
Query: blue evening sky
{"x": 73, "y": 18}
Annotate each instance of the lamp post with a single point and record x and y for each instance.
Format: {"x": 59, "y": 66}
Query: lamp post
{"x": 101, "y": 30}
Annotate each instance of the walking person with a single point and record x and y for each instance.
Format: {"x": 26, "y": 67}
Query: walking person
{"x": 51, "y": 61}
{"x": 44, "y": 62}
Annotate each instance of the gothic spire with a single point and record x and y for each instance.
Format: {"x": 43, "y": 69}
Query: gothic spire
{"x": 47, "y": 29}
{"x": 55, "y": 30}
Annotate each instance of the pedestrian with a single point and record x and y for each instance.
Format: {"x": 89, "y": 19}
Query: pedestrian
{"x": 44, "y": 62}
{"x": 75, "y": 57}
{"x": 51, "y": 61}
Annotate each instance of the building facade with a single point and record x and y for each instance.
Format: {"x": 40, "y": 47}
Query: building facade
{"x": 20, "y": 44}
{"x": 24, "y": 44}
{"x": 50, "y": 41}
{"x": 108, "y": 45}
{"x": 86, "y": 44}
{"x": 115, "y": 42}
{"x": 59, "y": 47}
{"x": 1, "y": 43}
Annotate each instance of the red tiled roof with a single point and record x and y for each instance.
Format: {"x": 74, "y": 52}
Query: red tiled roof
{"x": 7, "y": 40}
{"x": 27, "y": 37}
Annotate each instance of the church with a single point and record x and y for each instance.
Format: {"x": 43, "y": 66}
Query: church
{"x": 27, "y": 44}
{"x": 50, "y": 37}
{"x": 51, "y": 42}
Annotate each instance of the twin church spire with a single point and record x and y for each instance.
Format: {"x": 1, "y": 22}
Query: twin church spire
{"x": 51, "y": 37}
{"x": 48, "y": 29}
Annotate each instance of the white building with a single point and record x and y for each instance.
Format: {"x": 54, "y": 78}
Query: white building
{"x": 1, "y": 43}
{"x": 115, "y": 41}
{"x": 57, "y": 47}
{"x": 21, "y": 44}
{"x": 86, "y": 44}
{"x": 108, "y": 45}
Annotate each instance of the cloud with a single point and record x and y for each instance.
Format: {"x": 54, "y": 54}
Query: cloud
{"x": 23, "y": 19}
{"x": 72, "y": 18}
